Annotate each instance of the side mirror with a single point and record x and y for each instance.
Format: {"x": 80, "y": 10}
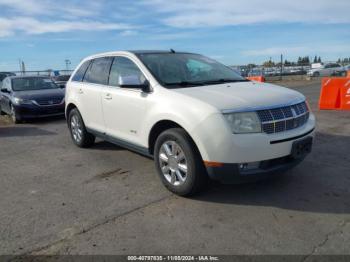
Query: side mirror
{"x": 146, "y": 87}
{"x": 133, "y": 81}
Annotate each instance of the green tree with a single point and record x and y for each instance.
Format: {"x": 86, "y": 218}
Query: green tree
{"x": 299, "y": 61}
{"x": 268, "y": 63}
{"x": 251, "y": 65}
{"x": 287, "y": 63}
{"x": 307, "y": 60}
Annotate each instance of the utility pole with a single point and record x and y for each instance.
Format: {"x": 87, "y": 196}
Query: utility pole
{"x": 281, "y": 67}
{"x": 68, "y": 62}
{"x": 20, "y": 64}
{"x": 23, "y": 67}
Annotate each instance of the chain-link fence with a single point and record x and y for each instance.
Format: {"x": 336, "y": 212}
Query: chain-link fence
{"x": 49, "y": 73}
{"x": 314, "y": 69}
{"x": 267, "y": 71}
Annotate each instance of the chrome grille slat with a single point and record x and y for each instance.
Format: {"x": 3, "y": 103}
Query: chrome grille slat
{"x": 284, "y": 118}
{"x": 289, "y": 118}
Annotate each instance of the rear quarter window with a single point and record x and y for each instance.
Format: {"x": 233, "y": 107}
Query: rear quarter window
{"x": 98, "y": 71}
{"x": 79, "y": 75}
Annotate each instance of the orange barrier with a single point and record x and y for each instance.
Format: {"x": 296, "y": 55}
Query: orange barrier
{"x": 348, "y": 74}
{"x": 335, "y": 93}
{"x": 256, "y": 78}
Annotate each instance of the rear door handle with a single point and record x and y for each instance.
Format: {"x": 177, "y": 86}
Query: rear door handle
{"x": 108, "y": 96}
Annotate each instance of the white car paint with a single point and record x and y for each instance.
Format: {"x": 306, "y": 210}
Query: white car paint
{"x": 130, "y": 114}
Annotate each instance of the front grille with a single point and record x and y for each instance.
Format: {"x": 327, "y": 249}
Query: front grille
{"x": 49, "y": 101}
{"x": 284, "y": 118}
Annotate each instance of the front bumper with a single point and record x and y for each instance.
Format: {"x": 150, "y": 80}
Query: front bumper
{"x": 34, "y": 111}
{"x": 232, "y": 173}
{"x": 224, "y": 152}
{"x": 247, "y": 172}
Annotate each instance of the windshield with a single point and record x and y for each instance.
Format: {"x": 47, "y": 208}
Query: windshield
{"x": 32, "y": 83}
{"x": 175, "y": 70}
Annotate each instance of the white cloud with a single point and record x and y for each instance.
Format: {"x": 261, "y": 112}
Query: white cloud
{"x": 51, "y": 7}
{"x": 328, "y": 49}
{"x": 33, "y": 26}
{"x": 204, "y": 13}
{"x": 50, "y": 16}
{"x": 271, "y": 51}
{"x": 173, "y": 36}
{"x": 128, "y": 33}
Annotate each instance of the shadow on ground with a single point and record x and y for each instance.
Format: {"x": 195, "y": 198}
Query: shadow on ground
{"x": 320, "y": 184}
{"x": 20, "y": 131}
{"x": 103, "y": 145}
{"x": 45, "y": 120}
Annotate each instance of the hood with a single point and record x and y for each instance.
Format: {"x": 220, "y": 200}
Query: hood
{"x": 243, "y": 96}
{"x": 40, "y": 94}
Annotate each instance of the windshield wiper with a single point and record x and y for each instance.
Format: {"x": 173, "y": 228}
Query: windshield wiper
{"x": 223, "y": 80}
{"x": 184, "y": 83}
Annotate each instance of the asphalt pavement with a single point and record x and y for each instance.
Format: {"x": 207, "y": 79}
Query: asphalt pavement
{"x": 56, "y": 198}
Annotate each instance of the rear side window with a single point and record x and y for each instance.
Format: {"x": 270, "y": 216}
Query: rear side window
{"x": 79, "y": 75}
{"x": 98, "y": 71}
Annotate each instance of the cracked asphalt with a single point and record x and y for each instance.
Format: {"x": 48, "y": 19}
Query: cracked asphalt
{"x": 58, "y": 199}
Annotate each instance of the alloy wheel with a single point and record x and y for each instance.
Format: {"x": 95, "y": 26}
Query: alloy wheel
{"x": 13, "y": 114}
{"x": 76, "y": 128}
{"x": 173, "y": 163}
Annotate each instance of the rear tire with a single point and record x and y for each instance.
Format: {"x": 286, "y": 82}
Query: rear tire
{"x": 80, "y": 136}
{"x": 178, "y": 163}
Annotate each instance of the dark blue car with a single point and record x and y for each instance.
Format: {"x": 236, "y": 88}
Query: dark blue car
{"x": 27, "y": 97}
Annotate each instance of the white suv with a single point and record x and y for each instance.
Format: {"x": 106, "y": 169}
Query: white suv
{"x": 329, "y": 69}
{"x": 197, "y": 118}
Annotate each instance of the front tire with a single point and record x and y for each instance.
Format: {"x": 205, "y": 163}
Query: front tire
{"x": 179, "y": 163}
{"x": 80, "y": 136}
{"x": 1, "y": 112}
{"x": 14, "y": 116}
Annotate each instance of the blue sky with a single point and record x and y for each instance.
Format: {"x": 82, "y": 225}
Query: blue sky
{"x": 43, "y": 33}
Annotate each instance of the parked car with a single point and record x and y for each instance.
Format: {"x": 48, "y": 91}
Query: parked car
{"x": 241, "y": 70}
{"x": 197, "y": 118}
{"x": 329, "y": 69}
{"x": 256, "y": 72}
{"x": 25, "y": 97}
{"x": 3, "y": 75}
{"x": 61, "y": 80}
{"x": 347, "y": 67}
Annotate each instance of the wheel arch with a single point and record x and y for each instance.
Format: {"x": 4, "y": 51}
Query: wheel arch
{"x": 160, "y": 127}
{"x": 69, "y": 108}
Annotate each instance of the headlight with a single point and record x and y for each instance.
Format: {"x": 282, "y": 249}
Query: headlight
{"x": 241, "y": 123}
{"x": 20, "y": 101}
